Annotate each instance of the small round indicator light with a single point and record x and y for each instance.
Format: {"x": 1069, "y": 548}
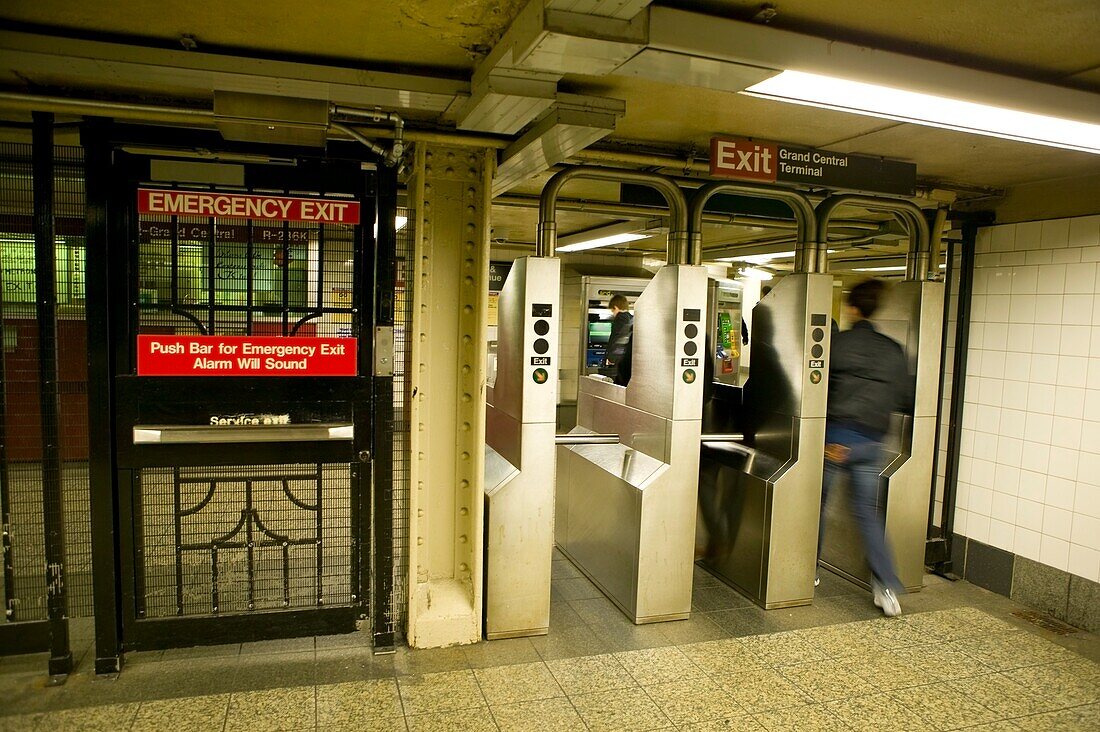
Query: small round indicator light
{"x": 542, "y": 327}
{"x": 817, "y": 350}
{"x": 817, "y": 335}
{"x": 689, "y": 376}
{"x": 691, "y": 330}
{"x": 539, "y": 376}
{"x": 541, "y": 345}
{"x": 815, "y": 377}
{"x": 690, "y": 348}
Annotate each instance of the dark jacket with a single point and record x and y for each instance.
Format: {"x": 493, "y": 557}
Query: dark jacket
{"x": 626, "y": 363}
{"x": 868, "y": 380}
{"x": 622, "y": 327}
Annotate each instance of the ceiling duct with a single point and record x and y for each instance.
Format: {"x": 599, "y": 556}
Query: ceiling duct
{"x": 572, "y": 124}
{"x": 269, "y": 119}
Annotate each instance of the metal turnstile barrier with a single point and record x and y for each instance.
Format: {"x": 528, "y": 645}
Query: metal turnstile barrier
{"x": 520, "y": 422}
{"x": 759, "y": 500}
{"x": 625, "y": 512}
{"x": 913, "y": 316}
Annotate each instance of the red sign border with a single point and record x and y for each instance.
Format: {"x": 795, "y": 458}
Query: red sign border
{"x": 147, "y": 367}
{"x": 354, "y": 210}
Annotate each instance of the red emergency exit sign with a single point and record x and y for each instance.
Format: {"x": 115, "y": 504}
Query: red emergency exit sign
{"x": 217, "y": 204}
{"x": 171, "y": 355}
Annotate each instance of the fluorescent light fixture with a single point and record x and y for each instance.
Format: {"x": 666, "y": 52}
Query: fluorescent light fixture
{"x": 763, "y": 258}
{"x": 756, "y": 274}
{"x": 603, "y": 241}
{"x": 398, "y": 224}
{"x": 608, "y": 235}
{"x": 926, "y": 109}
{"x": 900, "y": 268}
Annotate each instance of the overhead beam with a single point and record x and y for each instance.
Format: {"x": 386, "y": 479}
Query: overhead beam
{"x": 516, "y": 83}
{"x": 48, "y": 61}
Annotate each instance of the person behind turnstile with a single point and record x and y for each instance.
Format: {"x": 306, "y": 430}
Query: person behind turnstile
{"x": 868, "y": 380}
{"x": 622, "y": 329}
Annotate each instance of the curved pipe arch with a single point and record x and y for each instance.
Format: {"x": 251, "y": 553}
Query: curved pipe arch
{"x": 547, "y": 236}
{"x": 804, "y": 216}
{"x": 917, "y": 262}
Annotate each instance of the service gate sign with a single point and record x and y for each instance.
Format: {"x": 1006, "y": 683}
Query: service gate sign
{"x": 172, "y": 355}
{"x": 221, "y": 204}
{"x": 776, "y": 162}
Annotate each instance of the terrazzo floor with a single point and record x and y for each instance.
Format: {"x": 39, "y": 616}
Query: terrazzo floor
{"x": 957, "y": 658}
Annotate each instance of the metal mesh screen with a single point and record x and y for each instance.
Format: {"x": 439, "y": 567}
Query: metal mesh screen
{"x": 402, "y": 349}
{"x": 235, "y": 539}
{"x": 72, "y": 367}
{"x": 21, "y": 471}
{"x": 239, "y": 277}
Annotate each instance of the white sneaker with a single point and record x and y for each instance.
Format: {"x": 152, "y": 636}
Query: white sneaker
{"x": 887, "y": 600}
{"x": 817, "y": 581}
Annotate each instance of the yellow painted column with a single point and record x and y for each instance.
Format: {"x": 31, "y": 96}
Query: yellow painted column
{"x": 450, "y": 190}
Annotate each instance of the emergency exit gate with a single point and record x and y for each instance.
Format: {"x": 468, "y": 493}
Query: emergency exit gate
{"x": 248, "y": 433}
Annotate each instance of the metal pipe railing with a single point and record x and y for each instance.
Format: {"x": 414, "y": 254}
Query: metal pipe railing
{"x": 608, "y": 439}
{"x": 594, "y": 439}
{"x": 918, "y": 260}
{"x": 804, "y": 216}
{"x": 722, "y": 437}
{"x": 547, "y": 236}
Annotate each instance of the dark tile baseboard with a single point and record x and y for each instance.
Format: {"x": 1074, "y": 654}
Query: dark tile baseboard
{"x": 1064, "y": 596}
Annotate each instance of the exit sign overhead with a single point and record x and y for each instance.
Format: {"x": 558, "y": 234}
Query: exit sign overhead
{"x": 773, "y": 162}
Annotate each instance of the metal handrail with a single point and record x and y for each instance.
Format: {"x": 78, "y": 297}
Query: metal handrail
{"x": 918, "y": 261}
{"x": 807, "y": 259}
{"x": 722, "y": 437}
{"x": 593, "y": 439}
{"x": 547, "y": 236}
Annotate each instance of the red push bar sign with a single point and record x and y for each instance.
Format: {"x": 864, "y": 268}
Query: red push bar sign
{"x": 246, "y": 206}
{"x": 168, "y": 355}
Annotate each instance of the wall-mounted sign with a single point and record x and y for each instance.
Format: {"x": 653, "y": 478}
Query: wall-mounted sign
{"x": 498, "y": 273}
{"x": 171, "y": 355}
{"x": 246, "y": 206}
{"x": 773, "y": 162}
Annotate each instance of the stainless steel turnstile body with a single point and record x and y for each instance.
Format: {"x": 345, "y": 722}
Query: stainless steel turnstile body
{"x": 759, "y": 501}
{"x": 913, "y": 316}
{"x": 625, "y": 513}
{"x": 519, "y": 452}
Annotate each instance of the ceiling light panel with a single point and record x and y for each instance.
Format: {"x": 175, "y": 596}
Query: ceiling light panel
{"x": 603, "y": 241}
{"x": 927, "y": 109}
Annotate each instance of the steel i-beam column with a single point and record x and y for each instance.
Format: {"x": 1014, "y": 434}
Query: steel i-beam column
{"x": 451, "y": 193}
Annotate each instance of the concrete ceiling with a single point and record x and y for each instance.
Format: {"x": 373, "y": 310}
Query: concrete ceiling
{"x": 443, "y": 34}
{"x": 1053, "y": 41}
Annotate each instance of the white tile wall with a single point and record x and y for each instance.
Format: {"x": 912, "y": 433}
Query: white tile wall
{"x": 1029, "y": 474}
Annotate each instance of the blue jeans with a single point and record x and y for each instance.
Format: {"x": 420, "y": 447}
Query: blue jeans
{"x": 862, "y": 466}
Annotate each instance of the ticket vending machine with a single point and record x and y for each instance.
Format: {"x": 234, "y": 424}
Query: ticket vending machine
{"x": 724, "y": 306}
{"x": 519, "y": 452}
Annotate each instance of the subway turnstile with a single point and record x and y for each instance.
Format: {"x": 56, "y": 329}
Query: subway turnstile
{"x": 625, "y": 512}
{"x": 759, "y": 500}
{"x": 913, "y": 316}
{"x": 519, "y": 452}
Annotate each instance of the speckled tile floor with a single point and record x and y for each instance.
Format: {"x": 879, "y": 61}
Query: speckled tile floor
{"x": 957, "y": 659}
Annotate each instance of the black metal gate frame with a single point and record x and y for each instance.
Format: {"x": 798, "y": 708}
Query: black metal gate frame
{"x": 114, "y": 394}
